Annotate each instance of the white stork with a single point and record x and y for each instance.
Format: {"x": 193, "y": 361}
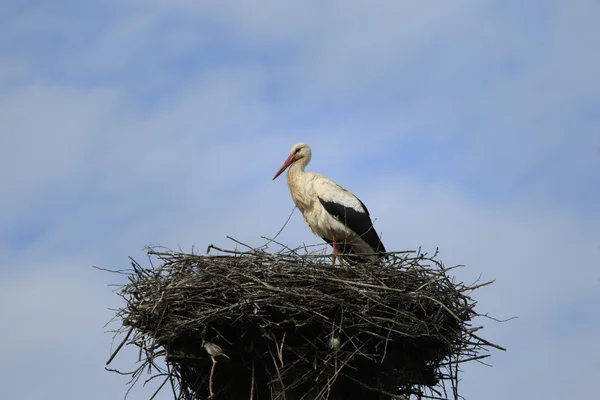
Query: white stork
{"x": 331, "y": 212}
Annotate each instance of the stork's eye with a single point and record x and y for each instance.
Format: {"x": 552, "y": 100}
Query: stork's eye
{"x": 297, "y": 150}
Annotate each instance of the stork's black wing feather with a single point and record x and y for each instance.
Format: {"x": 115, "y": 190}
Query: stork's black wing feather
{"x": 359, "y": 222}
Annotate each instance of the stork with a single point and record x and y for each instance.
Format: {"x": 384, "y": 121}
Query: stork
{"x": 331, "y": 212}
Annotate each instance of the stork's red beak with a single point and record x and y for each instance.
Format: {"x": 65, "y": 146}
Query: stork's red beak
{"x": 288, "y": 161}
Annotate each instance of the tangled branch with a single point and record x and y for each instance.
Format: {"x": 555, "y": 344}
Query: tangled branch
{"x": 289, "y": 325}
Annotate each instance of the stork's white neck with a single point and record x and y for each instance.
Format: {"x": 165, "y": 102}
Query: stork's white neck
{"x": 297, "y": 182}
{"x": 296, "y": 169}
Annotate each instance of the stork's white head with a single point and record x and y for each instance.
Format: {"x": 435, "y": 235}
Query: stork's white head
{"x": 299, "y": 152}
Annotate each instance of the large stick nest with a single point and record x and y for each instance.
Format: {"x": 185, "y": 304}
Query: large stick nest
{"x": 295, "y": 327}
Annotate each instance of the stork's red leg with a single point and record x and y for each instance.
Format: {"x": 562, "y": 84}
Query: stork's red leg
{"x": 336, "y": 251}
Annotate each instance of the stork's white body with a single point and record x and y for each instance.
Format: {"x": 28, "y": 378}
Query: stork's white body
{"x": 331, "y": 212}
{"x": 306, "y": 188}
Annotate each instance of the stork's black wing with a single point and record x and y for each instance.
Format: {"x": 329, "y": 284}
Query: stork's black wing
{"x": 358, "y": 221}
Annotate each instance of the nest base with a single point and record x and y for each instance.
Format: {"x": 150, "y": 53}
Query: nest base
{"x": 289, "y": 326}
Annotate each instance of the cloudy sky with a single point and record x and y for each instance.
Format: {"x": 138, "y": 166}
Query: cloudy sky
{"x": 465, "y": 125}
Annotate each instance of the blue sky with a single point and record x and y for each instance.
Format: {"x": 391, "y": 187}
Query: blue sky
{"x": 473, "y": 127}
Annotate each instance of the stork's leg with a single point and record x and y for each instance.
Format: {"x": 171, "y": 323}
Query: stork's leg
{"x": 337, "y": 253}
{"x": 334, "y": 251}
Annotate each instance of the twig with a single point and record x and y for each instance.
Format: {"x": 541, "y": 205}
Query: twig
{"x": 241, "y": 243}
{"x": 252, "y": 384}
{"x": 210, "y": 379}
{"x": 160, "y": 387}
{"x": 406, "y": 319}
{"x": 278, "y": 373}
{"x": 112, "y": 356}
{"x": 266, "y": 245}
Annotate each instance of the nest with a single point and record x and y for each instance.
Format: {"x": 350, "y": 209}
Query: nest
{"x": 289, "y": 325}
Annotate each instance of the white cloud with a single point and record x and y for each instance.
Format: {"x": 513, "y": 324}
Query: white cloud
{"x": 53, "y": 312}
{"x": 45, "y": 139}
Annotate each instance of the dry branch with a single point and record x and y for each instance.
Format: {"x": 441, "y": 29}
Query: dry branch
{"x": 295, "y": 327}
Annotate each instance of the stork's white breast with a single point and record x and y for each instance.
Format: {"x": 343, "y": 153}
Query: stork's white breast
{"x": 306, "y": 196}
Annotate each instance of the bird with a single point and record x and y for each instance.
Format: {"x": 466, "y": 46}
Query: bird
{"x": 334, "y": 343}
{"x": 215, "y": 351}
{"x": 331, "y": 212}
